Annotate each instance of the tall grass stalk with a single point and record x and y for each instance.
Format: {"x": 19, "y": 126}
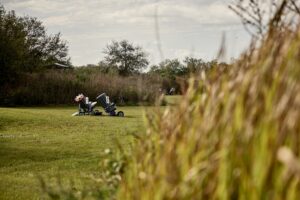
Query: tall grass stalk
{"x": 60, "y": 87}
{"x": 235, "y": 134}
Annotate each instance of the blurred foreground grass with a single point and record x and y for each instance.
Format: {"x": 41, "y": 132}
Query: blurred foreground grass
{"x": 234, "y": 135}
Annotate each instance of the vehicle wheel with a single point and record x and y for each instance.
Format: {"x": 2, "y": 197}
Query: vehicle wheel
{"x": 120, "y": 114}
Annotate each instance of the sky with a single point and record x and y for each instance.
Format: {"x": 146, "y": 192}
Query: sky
{"x": 165, "y": 29}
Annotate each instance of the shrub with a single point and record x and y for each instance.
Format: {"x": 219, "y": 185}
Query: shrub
{"x": 60, "y": 87}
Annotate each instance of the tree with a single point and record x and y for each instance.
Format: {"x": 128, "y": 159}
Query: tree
{"x": 42, "y": 49}
{"x": 126, "y": 57}
{"x": 195, "y": 65}
{"x": 10, "y": 40}
{"x": 25, "y": 46}
{"x": 169, "y": 68}
{"x": 170, "y": 71}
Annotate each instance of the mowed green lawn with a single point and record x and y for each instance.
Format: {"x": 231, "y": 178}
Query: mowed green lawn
{"x": 172, "y": 99}
{"x": 49, "y": 142}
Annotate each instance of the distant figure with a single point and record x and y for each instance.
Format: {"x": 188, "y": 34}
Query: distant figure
{"x": 172, "y": 91}
{"x": 84, "y": 104}
{"x": 79, "y": 98}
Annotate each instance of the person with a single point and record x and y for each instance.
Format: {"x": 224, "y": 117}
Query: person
{"x": 79, "y": 98}
{"x": 84, "y": 103}
{"x": 172, "y": 91}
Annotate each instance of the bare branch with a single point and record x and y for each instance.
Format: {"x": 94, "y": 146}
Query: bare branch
{"x": 261, "y": 16}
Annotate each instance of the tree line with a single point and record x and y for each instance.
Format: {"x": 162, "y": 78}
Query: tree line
{"x": 26, "y": 47}
{"x": 27, "y": 51}
{"x": 124, "y": 58}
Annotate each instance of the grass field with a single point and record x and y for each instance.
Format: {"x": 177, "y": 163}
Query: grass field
{"x": 49, "y": 142}
{"x": 172, "y": 99}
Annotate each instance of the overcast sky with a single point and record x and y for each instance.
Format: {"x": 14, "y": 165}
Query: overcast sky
{"x": 186, "y": 27}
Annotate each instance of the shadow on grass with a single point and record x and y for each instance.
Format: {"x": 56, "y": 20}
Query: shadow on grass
{"x": 100, "y": 116}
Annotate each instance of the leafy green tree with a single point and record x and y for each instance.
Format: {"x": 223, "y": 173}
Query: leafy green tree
{"x": 12, "y": 39}
{"x": 25, "y": 46}
{"x": 170, "y": 71}
{"x": 194, "y": 65}
{"x": 126, "y": 57}
{"x": 40, "y": 48}
{"x": 169, "y": 68}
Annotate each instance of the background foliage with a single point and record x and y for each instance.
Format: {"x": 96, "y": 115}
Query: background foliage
{"x": 25, "y": 46}
{"x": 61, "y": 87}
